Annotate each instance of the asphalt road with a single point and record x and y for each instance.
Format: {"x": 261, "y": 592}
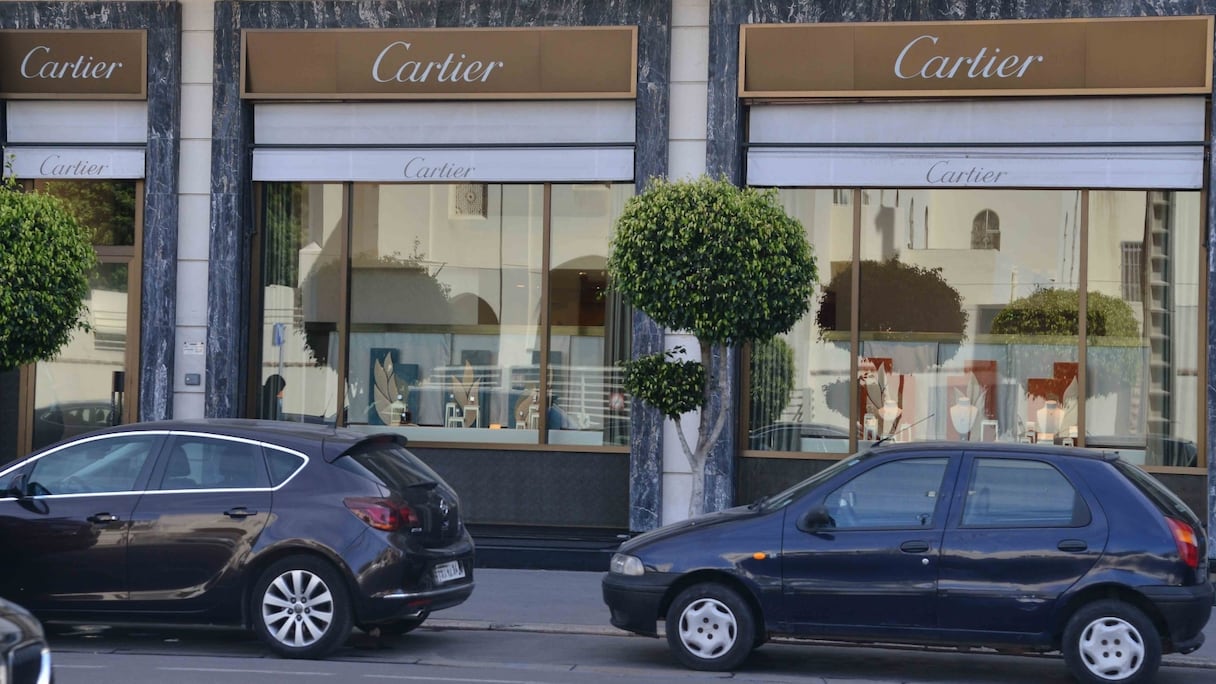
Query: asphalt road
{"x": 528, "y": 626}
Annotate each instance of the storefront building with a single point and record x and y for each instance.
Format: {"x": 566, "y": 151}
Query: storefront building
{"x": 91, "y": 109}
{"x": 410, "y": 224}
{"x": 396, "y": 216}
{"x": 1011, "y": 220}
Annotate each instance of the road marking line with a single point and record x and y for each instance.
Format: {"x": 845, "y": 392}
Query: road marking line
{"x": 244, "y": 671}
{"x": 452, "y": 679}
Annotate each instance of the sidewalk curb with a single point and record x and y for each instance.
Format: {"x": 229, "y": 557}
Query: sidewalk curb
{"x": 1172, "y": 659}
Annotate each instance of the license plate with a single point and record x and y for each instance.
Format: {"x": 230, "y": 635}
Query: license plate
{"x": 446, "y": 572}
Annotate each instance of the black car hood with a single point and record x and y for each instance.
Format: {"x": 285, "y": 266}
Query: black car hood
{"x": 701, "y": 522}
{"x": 16, "y": 624}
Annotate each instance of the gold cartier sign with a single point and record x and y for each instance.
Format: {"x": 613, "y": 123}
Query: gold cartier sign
{"x": 540, "y": 63}
{"x": 913, "y": 59}
{"x": 109, "y": 65}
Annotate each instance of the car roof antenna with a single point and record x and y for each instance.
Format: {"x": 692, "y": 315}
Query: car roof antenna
{"x": 891, "y": 436}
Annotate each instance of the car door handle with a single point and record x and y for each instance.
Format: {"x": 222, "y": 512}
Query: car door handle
{"x": 914, "y": 546}
{"x": 239, "y": 512}
{"x": 102, "y": 518}
{"x": 1072, "y": 545}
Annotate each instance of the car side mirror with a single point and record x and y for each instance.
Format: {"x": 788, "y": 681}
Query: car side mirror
{"x": 816, "y": 519}
{"x": 16, "y": 487}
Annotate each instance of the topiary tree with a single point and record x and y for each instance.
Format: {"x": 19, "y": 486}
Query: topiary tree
{"x": 1051, "y": 311}
{"x": 726, "y": 264}
{"x": 772, "y": 374}
{"x": 1110, "y": 325}
{"x": 46, "y": 258}
{"x": 896, "y": 297}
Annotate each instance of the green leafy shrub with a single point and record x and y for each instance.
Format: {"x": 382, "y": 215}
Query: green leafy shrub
{"x": 772, "y": 374}
{"x": 46, "y": 258}
{"x": 1051, "y": 311}
{"x": 895, "y": 297}
{"x": 724, "y": 263}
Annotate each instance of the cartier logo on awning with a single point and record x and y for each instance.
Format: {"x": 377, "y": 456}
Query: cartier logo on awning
{"x": 1142, "y": 55}
{"x": 73, "y": 64}
{"x": 532, "y": 63}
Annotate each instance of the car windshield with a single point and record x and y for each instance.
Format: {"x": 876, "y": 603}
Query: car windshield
{"x": 784, "y": 498}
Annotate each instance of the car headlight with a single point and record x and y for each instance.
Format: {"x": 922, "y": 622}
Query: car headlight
{"x": 624, "y": 564}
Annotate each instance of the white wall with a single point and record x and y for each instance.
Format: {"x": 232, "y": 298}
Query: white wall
{"x": 194, "y": 211}
{"x": 685, "y": 159}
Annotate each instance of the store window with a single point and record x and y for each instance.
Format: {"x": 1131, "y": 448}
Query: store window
{"x": 478, "y": 312}
{"x": 936, "y": 339}
{"x": 87, "y": 386}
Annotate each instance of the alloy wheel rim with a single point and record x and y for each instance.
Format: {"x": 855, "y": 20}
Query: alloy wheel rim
{"x": 707, "y": 628}
{"x": 1111, "y": 648}
{"x": 297, "y": 608}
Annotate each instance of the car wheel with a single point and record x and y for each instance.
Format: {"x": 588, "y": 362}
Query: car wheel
{"x": 710, "y": 627}
{"x": 300, "y": 608}
{"x": 1111, "y": 641}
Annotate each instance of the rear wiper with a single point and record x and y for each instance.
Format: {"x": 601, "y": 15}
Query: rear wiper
{"x": 423, "y": 484}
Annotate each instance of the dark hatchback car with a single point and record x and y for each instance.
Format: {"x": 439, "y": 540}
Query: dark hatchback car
{"x": 24, "y": 655}
{"x": 1015, "y": 547}
{"x": 295, "y": 531}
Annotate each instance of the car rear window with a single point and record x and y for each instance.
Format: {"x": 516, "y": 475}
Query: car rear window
{"x": 282, "y": 465}
{"x": 392, "y": 464}
{"x": 1165, "y": 500}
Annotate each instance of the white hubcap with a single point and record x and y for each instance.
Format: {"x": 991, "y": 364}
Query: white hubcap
{"x": 297, "y": 608}
{"x": 1111, "y": 648}
{"x": 707, "y": 628}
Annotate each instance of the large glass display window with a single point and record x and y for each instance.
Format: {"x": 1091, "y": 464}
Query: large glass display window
{"x": 453, "y": 313}
{"x": 87, "y": 385}
{"x": 1061, "y": 316}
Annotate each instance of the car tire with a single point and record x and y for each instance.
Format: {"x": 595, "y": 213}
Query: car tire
{"x": 300, "y": 608}
{"x": 710, "y": 627}
{"x": 1111, "y": 641}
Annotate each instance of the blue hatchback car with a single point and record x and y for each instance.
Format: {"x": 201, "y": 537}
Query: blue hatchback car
{"x": 1015, "y": 547}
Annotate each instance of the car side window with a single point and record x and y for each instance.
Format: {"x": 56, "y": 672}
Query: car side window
{"x": 206, "y": 463}
{"x": 1021, "y": 493}
{"x": 282, "y": 465}
{"x": 892, "y": 495}
{"x": 99, "y": 466}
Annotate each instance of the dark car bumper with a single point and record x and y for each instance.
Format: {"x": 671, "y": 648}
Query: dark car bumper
{"x": 636, "y": 603}
{"x": 395, "y": 583}
{"x": 1185, "y": 611}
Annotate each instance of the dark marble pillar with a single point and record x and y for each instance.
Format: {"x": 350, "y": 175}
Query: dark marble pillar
{"x": 725, "y": 139}
{"x": 231, "y": 222}
{"x": 158, "y": 312}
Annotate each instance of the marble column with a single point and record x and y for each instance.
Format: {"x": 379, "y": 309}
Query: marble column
{"x": 158, "y": 301}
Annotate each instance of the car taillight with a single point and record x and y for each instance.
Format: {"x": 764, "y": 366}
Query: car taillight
{"x": 383, "y": 514}
{"x": 1188, "y": 544}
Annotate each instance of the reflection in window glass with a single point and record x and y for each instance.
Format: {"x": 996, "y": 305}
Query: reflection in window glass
{"x": 969, "y": 310}
{"x": 97, "y": 466}
{"x": 1143, "y": 355}
{"x": 74, "y": 392}
{"x": 105, "y": 207}
{"x": 586, "y": 400}
{"x": 960, "y": 342}
{"x": 799, "y": 384}
{"x": 302, "y": 227}
{"x": 898, "y": 494}
{"x": 1013, "y": 493}
{"x": 447, "y": 289}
